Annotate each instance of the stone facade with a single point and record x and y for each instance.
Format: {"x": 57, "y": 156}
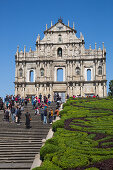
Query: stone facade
{"x": 36, "y": 71}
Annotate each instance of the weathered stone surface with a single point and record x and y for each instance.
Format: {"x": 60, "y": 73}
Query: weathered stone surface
{"x": 60, "y": 49}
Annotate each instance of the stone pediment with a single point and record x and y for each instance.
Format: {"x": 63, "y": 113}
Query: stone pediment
{"x": 60, "y": 27}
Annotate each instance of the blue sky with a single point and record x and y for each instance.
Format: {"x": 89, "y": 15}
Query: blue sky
{"x": 22, "y": 20}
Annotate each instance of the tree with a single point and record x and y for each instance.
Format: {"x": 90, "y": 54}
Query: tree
{"x": 111, "y": 88}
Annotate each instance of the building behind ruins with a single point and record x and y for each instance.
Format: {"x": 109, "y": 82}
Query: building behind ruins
{"x": 60, "y": 50}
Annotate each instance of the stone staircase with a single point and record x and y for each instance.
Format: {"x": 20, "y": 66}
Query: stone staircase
{"x": 18, "y": 145}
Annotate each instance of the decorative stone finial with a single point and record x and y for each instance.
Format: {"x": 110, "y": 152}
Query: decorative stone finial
{"x": 90, "y": 46}
{"x": 95, "y": 46}
{"x": 73, "y": 26}
{"x": 17, "y": 48}
{"x": 46, "y": 26}
{"x": 38, "y": 38}
{"x": 60, "y": 20}
{"x": 24, "y": 48}
{"x": 51, "y": 24}
{"x": 99, "y": 49}
{"x": 30, "y": 49}
{"x": 21, "y": 52}
{"x": 103, "y": 45}
{"x": 81, "y": 36}
{"x": 68, "y": 23}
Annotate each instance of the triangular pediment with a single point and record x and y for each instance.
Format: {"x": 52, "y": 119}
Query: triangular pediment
{"x": 59, "y": 26}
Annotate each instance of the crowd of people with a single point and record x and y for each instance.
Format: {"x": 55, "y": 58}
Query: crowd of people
{"x": 13, "y": 107}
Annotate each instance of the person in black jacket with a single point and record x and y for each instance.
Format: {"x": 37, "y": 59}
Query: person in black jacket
{"x": 13, "y": 113}
{"x": 28, "y": 119}
{"x": 18, "y": 115}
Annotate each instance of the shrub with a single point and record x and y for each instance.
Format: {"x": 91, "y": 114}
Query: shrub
{"x": 92, "y": 168}
{"x": 48, "y": 165}
{"x": 57, "y": 124}
{"x": 48, "y": 148}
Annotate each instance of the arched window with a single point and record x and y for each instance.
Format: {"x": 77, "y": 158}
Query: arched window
{"x": 31, "y": 76}
{"x": 42, "y": 72}
{"x": 88, "y": 75}
{"x": 99, "y": 70}
{"x": 59, "y": 52}
{"x": 59, "y": 74}
{"x": 20, "y": 72}
{"x": 77, "y": 71}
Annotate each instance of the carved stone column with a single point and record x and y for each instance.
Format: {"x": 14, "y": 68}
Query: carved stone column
{"x": 104, "y": 69}
{"x": 16, "y": 90}
{"x": 38, "y": 71}
{"x": 104, "y": 90}
{"x": 51, "y": 93}
{"x": 45, "y": 69}
{"x": 71, "y": 69}
{"x": 96, "y": 69}
{"x": 51, "y": 71}
{"x": 37, "y": 90}
{"x": 68, "y": 88}
{"x": 23, "y": 91}
{"x": 16, "y": 73}
{"x": 81, "y": 73}
{"x": 73, "y": 72}
{"x": 45, "y": 91}
{"x": 67, "y": 70}
{"x": 97, "y": 90}
{"x": 73, "y": 88}
{"x": 81, "y": 89}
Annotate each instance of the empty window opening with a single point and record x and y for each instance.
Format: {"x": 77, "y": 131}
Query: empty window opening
{"x": 88, "y": 75}
{"x": 31, "y": 76}
{"x": 60, "y": 74}
{"x": 59, "y": 52}
{"x": 99, "y": 70}
{"x": 42, "y": 72}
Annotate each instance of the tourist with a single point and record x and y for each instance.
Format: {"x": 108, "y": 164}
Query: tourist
{"x": 42, "y": 113}
{"x": 18, "y": 114}
{"x": 67, "y": 96}
{"x": 13, "y": 113}
{"x": 7, "y": 114}
{"x": 40, "y": 97}
{"x": 45, "y": 116}
{"x": 52, "y": 115}
{"x": 48, "y": 96}
{"x": 36, "y": 111}
{"x": 26, "y": 101}
{"x": 28, "y": 119}
{"x": 49, "y": 116}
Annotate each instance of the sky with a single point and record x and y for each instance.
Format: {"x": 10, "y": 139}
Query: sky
{"x": 22, "y": 20}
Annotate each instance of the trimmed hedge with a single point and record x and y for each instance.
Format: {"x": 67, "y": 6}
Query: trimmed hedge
{"x": 76, "y": 146}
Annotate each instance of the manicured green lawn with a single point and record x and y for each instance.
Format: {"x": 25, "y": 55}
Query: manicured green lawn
{"x": 83, "y": 137}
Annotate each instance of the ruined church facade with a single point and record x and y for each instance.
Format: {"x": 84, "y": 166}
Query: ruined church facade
{"x": 60, "y": 50}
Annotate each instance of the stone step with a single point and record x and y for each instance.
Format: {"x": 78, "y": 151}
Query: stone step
{"x": 14, "y": 166}
{"x": 18, "y": 145}
{"x": 24, "y": 153}
{"x": 17, "y": 161}
{"x": 20, "y": 142}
